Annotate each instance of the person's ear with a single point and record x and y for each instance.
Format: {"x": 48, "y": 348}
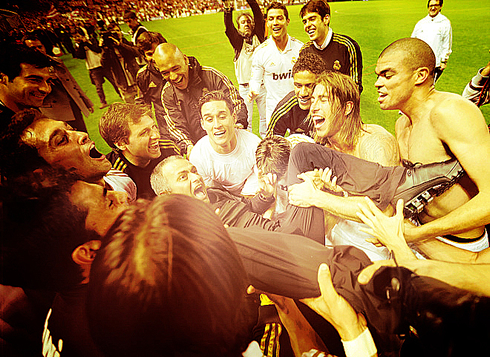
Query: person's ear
{"x": 3, "y": 78}
{"x": 42, "y": 178}
{"x": 326, "y": 20}
{"x": 85, "y": 254}
{"x": 121, "y": 145}
{"x": 349, "y": 106}
{"x": 421, "y": 75}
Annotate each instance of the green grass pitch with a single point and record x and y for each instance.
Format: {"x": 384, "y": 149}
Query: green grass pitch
{"x": 373, "y": 24}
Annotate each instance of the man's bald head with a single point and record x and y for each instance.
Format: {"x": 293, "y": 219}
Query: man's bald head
{"x": 172, "y": 64}
{"x": 414, "y": 53}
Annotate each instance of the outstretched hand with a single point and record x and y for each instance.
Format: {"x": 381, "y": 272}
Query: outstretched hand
{"x": 334, "y": 308}
{"x": 387, "y": 231}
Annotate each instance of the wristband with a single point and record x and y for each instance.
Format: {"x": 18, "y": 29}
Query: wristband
{"x": 362, "y": 346}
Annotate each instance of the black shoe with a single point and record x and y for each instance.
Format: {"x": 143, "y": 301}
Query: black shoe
{"x": 424, "y": 182}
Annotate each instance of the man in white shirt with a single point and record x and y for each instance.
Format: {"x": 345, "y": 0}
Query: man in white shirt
{"x": 435, "y": 29}
{"x": 273, "y": 60}
{"x": 226, "y": 155}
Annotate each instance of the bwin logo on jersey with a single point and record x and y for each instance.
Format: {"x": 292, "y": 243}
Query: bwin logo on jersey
{"x": 279, "y": 76}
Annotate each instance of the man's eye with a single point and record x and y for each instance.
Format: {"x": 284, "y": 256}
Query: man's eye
{"x": 62, "y": 140}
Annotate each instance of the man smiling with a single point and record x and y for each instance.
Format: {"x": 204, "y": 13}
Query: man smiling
{"x": 435, "y": 29}
{"x": 226, "y": 156}
{"x": 273, "y": 60}
{"x": 24, "y": 80}
{"x": 292, "y": 111}
{"x": 131, "y": 132}
{"x": 187, "y": 81}
{"x": 340, "y": 53}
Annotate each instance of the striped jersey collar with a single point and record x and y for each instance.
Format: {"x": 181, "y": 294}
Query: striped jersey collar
{"x": 326, "y": 42}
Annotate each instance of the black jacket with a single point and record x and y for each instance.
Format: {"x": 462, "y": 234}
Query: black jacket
{"x": 181, "y": 109}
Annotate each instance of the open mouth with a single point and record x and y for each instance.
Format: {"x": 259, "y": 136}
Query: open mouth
{"x": 304, "y": 101}
{"x": 219, "y": 133}
{"x": 311, "y": 32}
{"x": 381, "y": 96}
{"x": 318, "y": 121}
{"x": 200, "y": 192}
{"x": 39, "y": 96}
{"x": 94, "y": 153}
{"x": 154, "y": 148}
{"x": 178, "y": 82}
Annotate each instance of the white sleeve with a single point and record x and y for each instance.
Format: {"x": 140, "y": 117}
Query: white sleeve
{"x": 415, "y": 31}
{"x": 119, "y": 181}
{"x": 257, "y": 72}
{"x": 362, "y": 346}
{"x": 447, "y": 43}
{"x": 473, "y": 88}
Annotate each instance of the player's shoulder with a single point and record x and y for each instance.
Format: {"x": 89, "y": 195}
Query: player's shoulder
{"x": 376, "y": 129}
{"x": 449, "y": 108}
{"x": 344, "y": 40}
{"x": 308, "y": 46}
{"x": 402, "y": 122}
{"x": 451, "y": 101}
{"x": 296, "y": 41}
{"x": 248, "y": 136}
{"x": 263, "y": 46}
{"x": 167, "y": 88}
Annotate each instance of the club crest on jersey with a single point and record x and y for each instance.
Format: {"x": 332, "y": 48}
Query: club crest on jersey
{"x": 336, "y": 65}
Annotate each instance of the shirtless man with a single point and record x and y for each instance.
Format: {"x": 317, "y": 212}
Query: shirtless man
{"x": 428, "y": 133}
{"x": 431, "y": 130}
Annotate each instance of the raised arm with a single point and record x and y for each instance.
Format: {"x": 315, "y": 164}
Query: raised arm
{"x": 231, "y": 32}
{"x": 258, "y": 19}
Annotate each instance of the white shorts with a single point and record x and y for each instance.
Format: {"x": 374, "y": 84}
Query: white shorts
{"x": 475, "y": 246}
